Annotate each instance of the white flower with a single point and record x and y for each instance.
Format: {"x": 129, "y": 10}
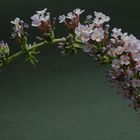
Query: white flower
{"x": 125, "y": 60}
{"x": 127, "y": 48}
{"x": 124, "y": 36}
{"x": 133, "y": 49}
{"x": 98, "y": 14}
{"x": 36, "y": 20}
{"x": 39, "y": 17}
{"x": 116, "y": 63}
{"x": 85, "y": 37}
{"x": 19, "y": 26}
{"x": 98, "y": 21}
{"x": 112, "y": 40}
{"x": 119, "y": 50}
{"x": 84, "y": 31}
{"x": 138, "y": 44}
{"x": 136, "y": 56}
{"x": 70, "y": 16}
{"x": 132, "y": 39}
{"x": 78, "y": 11}
{"x": 35, "y": 17}
{"x": 98, "y": 34}
{"x": 135, "y": 46}
{"x": 36, "y": 23}
{"x": 62, "y": 18}
{"x": 45, "y": 18}
{"x": 116, "y": 32}
{"x": 89, "y": 17}
{"x": 42, "y": 12}
{"x": 100, "y": 18}
{"x": 16, "y": 21}
{"x": 133, "y": 43}
{"x": 135, "y": 83}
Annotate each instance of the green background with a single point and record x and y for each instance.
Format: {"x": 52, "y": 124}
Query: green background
{"x": 64, "y": 98}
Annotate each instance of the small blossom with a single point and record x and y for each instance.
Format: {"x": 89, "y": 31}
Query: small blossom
{"x": 116, "y": 63}
{"x": 36, "y": 20}
{"x": 98, "y": 34}
{"x": 89, "y": 17}
{"x": 125, "y": 60}
{"x": 124, "y": 36}
{"x": 39, "y": 17}
{"x": 46, "y": 18}
{"x": 84, "y": 31}
{"x": 132, "y": 39}
{"x": 136, "y": 56}
{"x": 78, "y": 11}
{"x": 42, "y": 12}
{"x": 71, "y": 16}
{"x": 116, "y": 32}
{"x": 135, "y": 46}
{"x": 119, "y": 50}
{"x": 19, "y": 28}
{"x": 85, "y": 37}
{"x": 101, "y": 15}
{"x": 16, "y": 22}
{"x": 127, "y": 48}
{"x": 100, "y": 18}
{"x": 98, "y": 22}
{"x": 62, "y": 18}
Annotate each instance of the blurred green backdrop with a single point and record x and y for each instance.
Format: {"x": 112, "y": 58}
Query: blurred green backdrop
{"x": 64, "y": 98}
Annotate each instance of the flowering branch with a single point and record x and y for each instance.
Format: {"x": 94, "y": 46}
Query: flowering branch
{"x": 93, "y": 36}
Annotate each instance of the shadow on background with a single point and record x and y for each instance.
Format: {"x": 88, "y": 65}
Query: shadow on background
{"x": 64, "y": 98}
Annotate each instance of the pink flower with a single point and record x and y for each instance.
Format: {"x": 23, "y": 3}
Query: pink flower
{"x": 125, "y": 60}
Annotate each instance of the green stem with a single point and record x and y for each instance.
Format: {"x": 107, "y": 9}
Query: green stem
{"x": 36, "y": 46}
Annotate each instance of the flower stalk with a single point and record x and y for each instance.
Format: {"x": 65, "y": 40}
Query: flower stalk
{"x": 93, "y": 36}
{"x": 37, "y": 46}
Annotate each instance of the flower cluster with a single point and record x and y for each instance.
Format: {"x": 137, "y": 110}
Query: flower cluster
{"x": 119, "y": 49}
{"x": 4, "y": 52}
{"x": 19, "y": 30}
{"x": 93, "y": 36}
{"x": 126, "y": 63}
{"x": 71, "y": 20}
{"x": 94, "y": 29}
{"x": 69, "y": 46}
{"x": 43, "y": 22}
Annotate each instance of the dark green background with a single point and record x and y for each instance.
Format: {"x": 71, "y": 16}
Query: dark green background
{"x": 64, "y": 98}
